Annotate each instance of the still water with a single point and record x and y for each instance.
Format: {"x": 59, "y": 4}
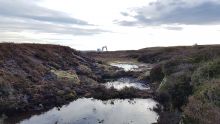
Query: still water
{"x": 92, "y": 111}
{"x": 131, "y": 66}
{"x": 126, "y": 82}
{"x": 126, "y": 67}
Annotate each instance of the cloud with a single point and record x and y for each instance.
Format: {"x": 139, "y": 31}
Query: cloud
{"x": 20, "y": 15}
{"x": 194, "y": 12}
{"x": 7, "y": 25}
{"x": 124, "y": 14}
{"x": 30, "y": 10}
{"x": 176, "y": 28}
{"x": 126, "y": 23}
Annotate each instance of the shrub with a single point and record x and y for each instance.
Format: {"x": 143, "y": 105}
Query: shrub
{"x": 177, "y": 64}
{"x": 206, "y": 71}
{"x": 209, "y": 93}
{"x": 198, "y": 112}
{"x": 156, "y": 73}
{"x": 177, "y": 87}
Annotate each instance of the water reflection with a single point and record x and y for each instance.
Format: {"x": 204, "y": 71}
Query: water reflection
{"x": 92, "y": 111}
{"x": 126, "y": 82}
{"x": 125, "y": 66}
{"x": 129, "y": 66}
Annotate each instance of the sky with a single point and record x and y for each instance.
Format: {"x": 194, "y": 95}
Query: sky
{"x": 118, "y": 24}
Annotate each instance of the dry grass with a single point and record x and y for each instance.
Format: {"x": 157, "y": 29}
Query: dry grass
{"x": 67, "y": 75}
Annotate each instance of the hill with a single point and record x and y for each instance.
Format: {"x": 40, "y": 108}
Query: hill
{"x": 36, "y": 76}
{"x": 186, "y": 80}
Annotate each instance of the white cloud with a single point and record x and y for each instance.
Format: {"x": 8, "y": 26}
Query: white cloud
{"x": 89, "y": 24}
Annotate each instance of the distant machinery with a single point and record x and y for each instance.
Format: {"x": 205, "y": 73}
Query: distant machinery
{"x": 104, "y": 48}
{"x": 99, "y": 50}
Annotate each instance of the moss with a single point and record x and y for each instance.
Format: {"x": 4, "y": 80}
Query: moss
{"x": 70, "y": 95}
{"x": 67, "y": 75}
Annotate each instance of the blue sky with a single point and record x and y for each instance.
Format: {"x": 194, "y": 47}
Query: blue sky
{"x": 119, "y": 24}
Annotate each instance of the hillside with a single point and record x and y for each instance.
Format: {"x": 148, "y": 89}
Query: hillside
{"x": 186, "y": 80}
{"x": 35, "y": 76}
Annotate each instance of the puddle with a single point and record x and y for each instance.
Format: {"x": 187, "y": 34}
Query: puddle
{"x": 126, "y": 82}
{"x": 129, "y": 66}
{"x": 92, "y": 111}
{"x": 125, "y": 66}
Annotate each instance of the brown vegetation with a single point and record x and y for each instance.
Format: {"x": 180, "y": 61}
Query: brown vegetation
{"x": 35, "y": 76}
{"x": 185, "y": 78}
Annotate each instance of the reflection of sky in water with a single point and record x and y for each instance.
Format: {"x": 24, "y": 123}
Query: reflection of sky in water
{"x": 125, "y": 82}
{"x": 129, "y": 66}
{"x": 125, "y": 66}
{"x": 91, "y": 111}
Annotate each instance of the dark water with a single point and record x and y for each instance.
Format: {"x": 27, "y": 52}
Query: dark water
{"x": 92, "y": 111}
{"x": 126, "y": 82}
